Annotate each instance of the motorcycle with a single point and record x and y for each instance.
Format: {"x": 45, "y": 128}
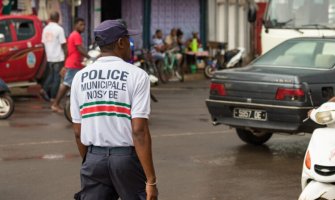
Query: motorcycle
{"x": 318, "y": 174}
{"x": 224, "y": 60}
{"x": 143, "y": 60}
{"x": 6, "y": 101}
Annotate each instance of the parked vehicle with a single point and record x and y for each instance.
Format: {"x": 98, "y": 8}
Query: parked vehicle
{"x": 143, "y": 59}
{"x": 22, "y": 57}
{"x": 286, "y": 19}
{"x": 6, "y": 102}
{"x": 273, "y": 93}
{"x": 223, "y": 58}
{"x": 318, "y": 171}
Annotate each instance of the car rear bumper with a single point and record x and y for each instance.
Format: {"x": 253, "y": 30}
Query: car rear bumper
{"x": 287, "y": 119}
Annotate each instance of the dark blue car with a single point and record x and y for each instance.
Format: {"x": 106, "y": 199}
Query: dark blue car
{"x": 275, "y": 92}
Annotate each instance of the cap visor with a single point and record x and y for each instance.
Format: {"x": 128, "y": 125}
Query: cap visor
{"x": 133, "y": 32}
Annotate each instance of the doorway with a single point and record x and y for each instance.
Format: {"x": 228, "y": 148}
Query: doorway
{"x": 110, "y": 9}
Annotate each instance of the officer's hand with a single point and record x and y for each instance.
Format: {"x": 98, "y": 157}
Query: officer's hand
{"x": 152, "y": 192}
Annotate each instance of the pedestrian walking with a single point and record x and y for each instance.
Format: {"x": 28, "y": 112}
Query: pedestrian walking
{"x": 73, "y": 62}
{"x": 54, "y": 41}
{"x": 110, "y": 107}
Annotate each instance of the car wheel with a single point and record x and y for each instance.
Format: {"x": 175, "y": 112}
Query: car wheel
{"x": 209, "y": 71}
{"x": 253, "y": 137}
{"x": 6, "y": 106}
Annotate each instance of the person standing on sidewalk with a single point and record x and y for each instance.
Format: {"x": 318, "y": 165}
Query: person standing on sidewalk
{"x": 110, "y": 107}
{"x": 73, "y": 62}
{"x": 54, "y": 41}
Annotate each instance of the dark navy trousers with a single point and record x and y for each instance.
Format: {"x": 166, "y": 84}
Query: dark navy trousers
{"x": 112, "y": 173}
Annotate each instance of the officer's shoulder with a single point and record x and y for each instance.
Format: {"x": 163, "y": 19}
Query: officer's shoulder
{"x": 135, "y": 69}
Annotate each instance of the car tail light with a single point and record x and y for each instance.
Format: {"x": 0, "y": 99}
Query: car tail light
{"x": 289, "y": 94}
{"x": 217, "y": 89}
{"x": 308, "y": 161}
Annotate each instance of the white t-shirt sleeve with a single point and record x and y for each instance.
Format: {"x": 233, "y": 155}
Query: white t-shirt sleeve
{"x": 43, "y": 36}
{"x": 140, "y": 107}
{"x": 75, "y": 105}
{"x": 62, "y": 38}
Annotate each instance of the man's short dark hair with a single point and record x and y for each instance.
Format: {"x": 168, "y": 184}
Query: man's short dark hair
{"x": 179, "y": 32}
{"x": 77, "y": 20}
{"x": 158, "y": 31}
{"x": 54, "y": 16}
{"x": 108, "y": 47}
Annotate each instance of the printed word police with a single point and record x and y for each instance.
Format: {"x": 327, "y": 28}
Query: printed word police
{"x": 102, "y": 75}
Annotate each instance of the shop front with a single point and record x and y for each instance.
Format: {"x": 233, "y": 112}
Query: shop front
{"x": 143, "y": 15}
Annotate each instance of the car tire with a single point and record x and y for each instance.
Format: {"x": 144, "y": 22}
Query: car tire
{"x": 209, "y": 71}
{"x": 6, "y": 106}
{"x": 251, "y": 137}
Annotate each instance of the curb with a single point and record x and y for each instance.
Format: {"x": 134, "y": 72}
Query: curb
{"x": 194, "y": 77}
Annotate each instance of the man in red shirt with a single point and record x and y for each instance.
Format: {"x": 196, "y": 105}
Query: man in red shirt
{"x": 76, "y": 52}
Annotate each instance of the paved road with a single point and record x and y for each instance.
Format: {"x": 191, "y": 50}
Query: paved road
{"x": 194, "y": 160}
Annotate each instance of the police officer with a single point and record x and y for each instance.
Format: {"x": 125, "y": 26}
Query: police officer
{"x": 110, "y": 106}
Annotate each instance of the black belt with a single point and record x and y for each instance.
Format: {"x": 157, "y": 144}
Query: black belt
{"x": 111, "y": 150}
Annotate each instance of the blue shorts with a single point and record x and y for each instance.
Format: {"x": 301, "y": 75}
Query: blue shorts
{"x": 69, "y": 75}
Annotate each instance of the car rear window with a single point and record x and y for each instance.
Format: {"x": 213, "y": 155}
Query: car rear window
{"x": 316, "y": 54}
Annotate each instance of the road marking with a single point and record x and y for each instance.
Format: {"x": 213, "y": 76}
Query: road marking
{"x": 38, "y": 143}
{"x": 187, "y": 134}
{"x": 42, "y": 157}
{"x": 72, "y": 141}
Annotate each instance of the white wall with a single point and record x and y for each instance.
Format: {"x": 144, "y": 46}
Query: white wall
{"x": 228, "y": 23}
{"x": 97, "y": 13}
{"x": 211, "y": 30}
{"x": 232, "y": 23}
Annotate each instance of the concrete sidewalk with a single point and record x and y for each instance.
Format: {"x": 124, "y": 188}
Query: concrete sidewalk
{"x": 194, "y": 77}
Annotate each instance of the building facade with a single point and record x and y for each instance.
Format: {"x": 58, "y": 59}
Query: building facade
{"x": 214, "y": 20}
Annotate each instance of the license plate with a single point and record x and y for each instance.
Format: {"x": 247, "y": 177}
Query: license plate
{"x": 243, "y": 113}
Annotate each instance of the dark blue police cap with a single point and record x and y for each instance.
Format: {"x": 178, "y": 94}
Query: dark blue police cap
{"x": 111, "y": 30}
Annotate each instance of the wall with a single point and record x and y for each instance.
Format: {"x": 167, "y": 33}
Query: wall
{"x": 227, "y": 22}
{"x": 168, "y": 14}
{"x": 132, "y": 13}
{"x": 84, "y": 11}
